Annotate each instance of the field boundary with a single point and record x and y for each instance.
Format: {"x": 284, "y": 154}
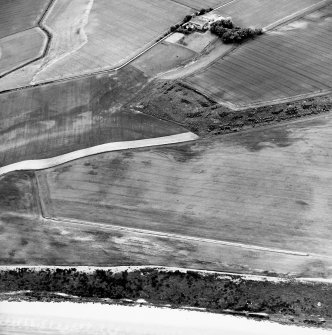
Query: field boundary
{"x": 158, "y": 40}
{"x": 132, "y": 268}
{"x": 41, "y": 164}
{"x": 178, "y": 236}
{"x": 47, "y": 44}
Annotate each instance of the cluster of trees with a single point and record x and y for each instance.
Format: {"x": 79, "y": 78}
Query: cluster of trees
{"x": 189, "y": 288}
{"x": 229, "y": 33}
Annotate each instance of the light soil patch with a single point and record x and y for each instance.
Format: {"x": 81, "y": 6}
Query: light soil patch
{"x": 263, "y": 13}
{"x": 56, "y": 119}
{"x": 19, "y": 15}
{"x": 290, "y": 62}
{"x": 21, "y": 48}
{"x": 117, "y": 31}
{"x": 266, "y": 187}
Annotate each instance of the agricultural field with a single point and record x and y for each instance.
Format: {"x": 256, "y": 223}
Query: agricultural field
{"x": 51, "y": 120}
{"x": 26, "y": 240}
{"x": 198, "y": 4}
{"x": 263, "y": 13}
{"x": 66, "y": 22}
{"x": 116, "y": 32}
{"x": 19, "y": 15}
{"x": 18, "y": 49}
{"x": 162, "y": 58}
{"x": 294, "y": 60}
{"x": 264, "y": 188}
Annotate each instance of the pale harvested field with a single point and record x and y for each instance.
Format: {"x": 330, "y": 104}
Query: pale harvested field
{"x": 48, "y": 121}
{"x": 21, "y": 48}
{"x": 116, "y": 32}
{"x": 289, "y": 62}
{"x": 198, "y": 4}
{"x": 262, "y": 13}
{"x": 269, "y": 188}
{"x": 18, "y": 15}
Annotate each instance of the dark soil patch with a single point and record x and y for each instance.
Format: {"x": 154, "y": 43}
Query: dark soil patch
{"x": 17, "y": 193}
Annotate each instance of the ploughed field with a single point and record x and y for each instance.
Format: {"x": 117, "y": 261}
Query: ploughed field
{"x": 18, "y": 15}
{"x": 263, "y": 13}
{"x": 265, "y": 187}
{"x": 116, "y": 31}
{"x": 44, "y": 122}
{"x": 292, "y": 61}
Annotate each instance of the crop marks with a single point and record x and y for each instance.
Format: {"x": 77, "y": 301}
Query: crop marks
{"x": 265, "y": 188}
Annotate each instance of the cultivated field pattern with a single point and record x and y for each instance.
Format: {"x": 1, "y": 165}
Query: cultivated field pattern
{"x": 124, "y": 144}
{"x": 198, "y": 4}
{"x": 263, "y": 13}
{"x": 294, "y": 60}
{"x": 266, "y": 187}
{"x": 112, "y": 35}
{"x": 18, "y": 15}
{"x": 21, "y": 48}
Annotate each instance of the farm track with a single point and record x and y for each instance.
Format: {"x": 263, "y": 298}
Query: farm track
{"x": 47, "y": 45}
{"x": 90, "y": 151}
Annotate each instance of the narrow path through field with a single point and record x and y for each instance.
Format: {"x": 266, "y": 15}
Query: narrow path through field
{"x": 114, "y": 146}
